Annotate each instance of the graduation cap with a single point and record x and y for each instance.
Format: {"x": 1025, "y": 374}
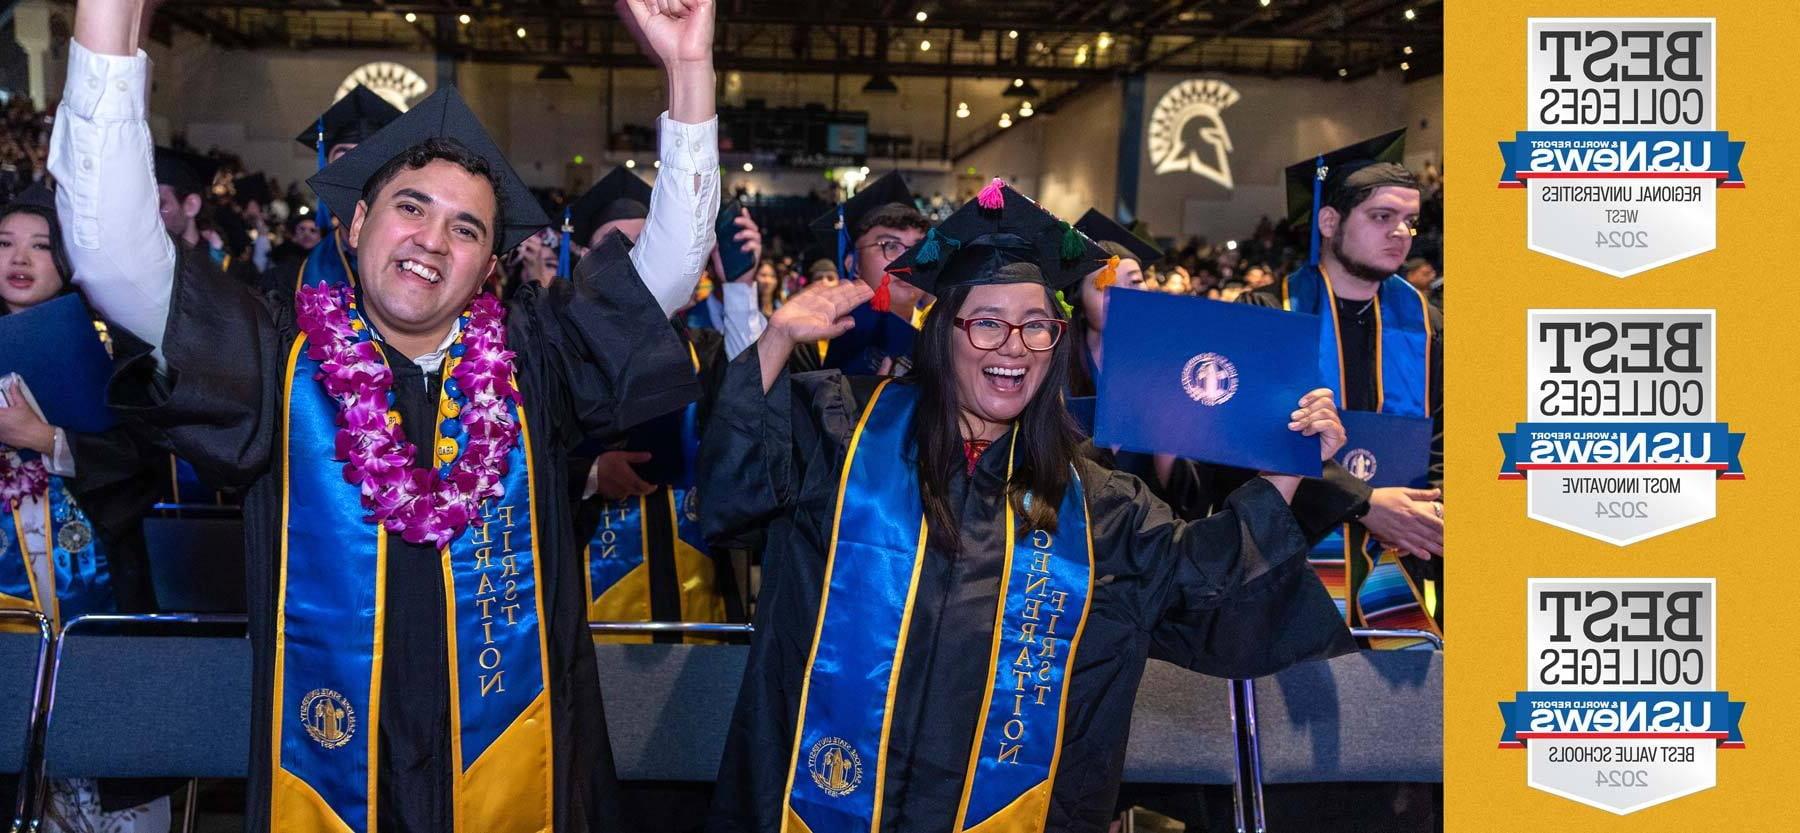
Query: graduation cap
{"x": 187, "y": 173}
{"x": 444, "y": 115}
{"x": 837, "y": 228}
{"x": 620, "y": 195}
{"x": 1102, "y": 229}
{"x": 35, "y": 196}
{"x": 252, "y": 188}
{"x": 1310, "y": 184}
{"x": 350, "y": 120}
{"x": 1001, "y": 236}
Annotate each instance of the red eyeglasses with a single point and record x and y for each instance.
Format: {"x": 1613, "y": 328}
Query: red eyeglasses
{"x": 1038, "y": 334}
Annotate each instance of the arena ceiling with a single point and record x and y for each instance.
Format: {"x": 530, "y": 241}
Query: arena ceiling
{"x": 1053, "y": 40}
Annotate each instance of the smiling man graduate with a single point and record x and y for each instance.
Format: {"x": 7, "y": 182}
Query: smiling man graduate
{"x": 417, "y": 606}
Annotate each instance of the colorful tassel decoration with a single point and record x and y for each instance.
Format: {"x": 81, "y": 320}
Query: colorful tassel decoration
{"x": 882, "y": 302}
{"x": 1071, "y": 242}
{"x": 1109, "y": 274}
{"x": 1063, "y": 302}
{"x": 993, "y": 197}
{"x": 930, "y": 250}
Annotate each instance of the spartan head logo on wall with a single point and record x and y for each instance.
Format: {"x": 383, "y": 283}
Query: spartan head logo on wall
{"x": 1187, "y": 130}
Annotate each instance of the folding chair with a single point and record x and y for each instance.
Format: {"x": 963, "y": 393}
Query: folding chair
{"x": 690, "y": 689}
{"x": 1296, "y": 730}
{"x": 24, "y": 673}
{"x": 184, "y": 714}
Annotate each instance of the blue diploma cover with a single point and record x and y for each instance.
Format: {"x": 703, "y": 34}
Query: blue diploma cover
{"x": 55, "y": 349}
{"x": 1386, "y": 450}
{"x": 1206, "y": 380}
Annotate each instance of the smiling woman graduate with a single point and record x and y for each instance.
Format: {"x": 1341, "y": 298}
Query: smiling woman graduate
{"x": 957, "y": 604}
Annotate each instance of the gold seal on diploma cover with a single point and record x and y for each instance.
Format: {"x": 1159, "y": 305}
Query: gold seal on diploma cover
{"x": 328, "y": 717}
{"x": 835, "y": 767}
{"x": 1209, "y": 379}
{"x": 1362, "y": 463}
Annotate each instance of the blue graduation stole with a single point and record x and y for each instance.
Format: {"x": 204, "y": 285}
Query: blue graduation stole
{"x": 837, "y": 774}
{"x": 618, "y": 555}
{"x": 327, "y": 263}
{"x": 330, "y": 626}
{"x": 618, "y": 558}
{"x": 80, "y": 576}
{"x": 1372, "y": 590}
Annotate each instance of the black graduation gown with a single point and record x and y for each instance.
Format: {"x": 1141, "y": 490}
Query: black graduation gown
{"x": 779, "y": 457}
{"x": 595, "y": 355}
{"x": 1358, "y": 346}
{"x": 665, "y": 590}
{"x": 115, "y": 484}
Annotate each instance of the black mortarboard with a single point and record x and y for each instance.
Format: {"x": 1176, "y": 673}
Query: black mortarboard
{"x": 187, "y": 173}
{"x": 351, "y": 120}
{"x": 1000, "y": 236}
{"x": 443, "y": 115}
{"x": 35, "y": 195}
{"x": 1311, "y": 183}
{"x": 1102, "y": 229}
{"x": 890, "y": 189}
{"x": 252, "y": 188}
{"x": 620, "y": 195}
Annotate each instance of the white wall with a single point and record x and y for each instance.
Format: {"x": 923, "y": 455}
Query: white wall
{"x": 1274, "y": 124}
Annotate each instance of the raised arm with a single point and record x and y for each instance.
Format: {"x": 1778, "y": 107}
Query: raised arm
{"x": 678, "y": 235}
{"x": 100, "y": 155}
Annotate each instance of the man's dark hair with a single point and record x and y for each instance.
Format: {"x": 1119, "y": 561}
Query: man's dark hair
{"x": 449, "y": 150}
{"x": 894, "y": 215}
{"x": 1362, "y": 184}
{"x": 294, "y": 221}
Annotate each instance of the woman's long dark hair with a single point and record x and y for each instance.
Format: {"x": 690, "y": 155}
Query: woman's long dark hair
{"x": 64, "y": 269}
{"x": 1048, "y": 439}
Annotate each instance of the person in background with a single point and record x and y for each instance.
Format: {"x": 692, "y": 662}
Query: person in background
{"x": 348, "y": 122}
{"x": 768, "y": 288}
{"x": 872, "y": 229}
{"x": 822, "y": 273}
{"x": 71, "y": 516}
{"x": 1424, "y": 277}
{"x": 1381, "y": 347}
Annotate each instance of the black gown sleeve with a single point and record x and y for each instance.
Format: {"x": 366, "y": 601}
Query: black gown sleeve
{"x": 759, "y": 450}
{"x": 601, "y": 354}
{"x": 115, "y": 485}
{"x": 214, "y": 402}
{"x": 1230, "y": 595}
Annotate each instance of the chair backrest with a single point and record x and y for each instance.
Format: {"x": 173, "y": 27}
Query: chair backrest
{"x": 1366, "y": 716}
{"x": 150, "y": 707}
{"x": 18, "y": 682}
{"x": 1181, "y": 729}
{"x": 197, "y": 564}
{"x": 668, "y": 706}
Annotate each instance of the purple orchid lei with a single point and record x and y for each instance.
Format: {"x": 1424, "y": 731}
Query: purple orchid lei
{"x": 20, "y": 479}
{"x": 421, "y": 504}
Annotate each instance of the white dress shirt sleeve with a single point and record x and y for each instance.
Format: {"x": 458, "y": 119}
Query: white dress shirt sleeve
{"x": 100, "y": 153}
{"x": 678, "y": 235}
{"x": 742, "y": 321}
{"x": 61, "y": 461}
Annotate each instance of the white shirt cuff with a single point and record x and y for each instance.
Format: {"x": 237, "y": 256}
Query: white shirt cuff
{"x": 106, "y": 87}
{"x": 689, "y": 148}
{"x": 62, "y": 458}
